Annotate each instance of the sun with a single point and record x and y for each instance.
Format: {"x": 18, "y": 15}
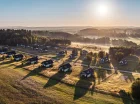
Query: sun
{"x": 102, "y": 10}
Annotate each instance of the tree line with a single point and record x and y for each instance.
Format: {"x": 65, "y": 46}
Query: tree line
{"x": 13, "y": 37}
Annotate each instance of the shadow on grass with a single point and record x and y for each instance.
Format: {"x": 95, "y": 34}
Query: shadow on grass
{"x": 101, "y": 75}
{"x": 21, "y": 66}
{"x": 55, "y": 79}
{"x": 82, "y": 87}
{"x": 7, "y": 62}
{"x": 128, "y": 76}
{"x": 34, "y": 72}
{"x": 127, "y": 99}
{"x": 57, "y": 58}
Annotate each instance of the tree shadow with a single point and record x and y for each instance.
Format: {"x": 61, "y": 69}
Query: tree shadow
{"x": 82, "y": 87}
{"x": 55, "y": 79}
{"x": 57, "y": 58}
{"x": 126, "y": 98}
{"x": 7, "y": 62}
{"x": 22, "y": 65}
{"x": 101, "y": 75}
{"x": 34, "y": 72}
{"x": 128, "y": 76}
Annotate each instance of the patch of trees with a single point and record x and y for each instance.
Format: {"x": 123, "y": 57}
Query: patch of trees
{"x": 89, "y": 56}
{"x": 13, "y": 37}
{"x": 80, "y": 38}
{"x": 136, "y": 89}
{"x": 121, "y": 42}
{"x": 101, "y": 54}
{"x": 114, "y": 32}
{"x": 60, "y": 41}
{"x": 120, "y": 52}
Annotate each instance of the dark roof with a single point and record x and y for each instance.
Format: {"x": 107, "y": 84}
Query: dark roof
{"x": 33, "y": 59}
{"x": 65, "y": 66}
{"x": 17, "y": 56}
{"x": 61, "y": 52}
{"x": 3, "y": 50}
{"x": 47, "y": 62}
{"x": 88, "y": 71}
{"x": 11, "y": 52}
{"x": 123, "y": 61}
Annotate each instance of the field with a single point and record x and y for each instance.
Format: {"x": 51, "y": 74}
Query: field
{"x": 15, "y": 90}
{"x": 33, "y": 84}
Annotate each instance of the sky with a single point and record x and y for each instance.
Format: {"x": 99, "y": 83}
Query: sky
{"x": 51, "y": 13}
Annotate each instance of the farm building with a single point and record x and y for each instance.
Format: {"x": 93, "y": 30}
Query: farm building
{"x": 18, "y": 57}
{"x": 65, "y": 68}
{"x": 47, "y": 64}
{"x": 87, "y": 73}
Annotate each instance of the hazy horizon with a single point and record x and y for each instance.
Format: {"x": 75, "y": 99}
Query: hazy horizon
{"x": 64, "y": 13}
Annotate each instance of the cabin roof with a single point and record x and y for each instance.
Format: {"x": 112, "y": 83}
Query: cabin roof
{"x": 90, "y": 70}
{"x": 33, "y": 59}
{"x": 11, "y": 52}
{"x": 17, "y": 56}
{"x": 68, "y": 65}
{"x": 47, "y": 62}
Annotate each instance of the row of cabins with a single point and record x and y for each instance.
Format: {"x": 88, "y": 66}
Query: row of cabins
{"x": 40, "y": 48}
{"x": 107, "y": 60}
{"x": 61, "y": 53}
{"x": 49, "y": 63}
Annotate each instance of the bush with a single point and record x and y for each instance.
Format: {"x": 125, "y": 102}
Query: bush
{"x": 136, "y": 89}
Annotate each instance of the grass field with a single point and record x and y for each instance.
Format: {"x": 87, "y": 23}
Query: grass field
{"x": 40, "y": 90}
{"x": 31, "y": 82}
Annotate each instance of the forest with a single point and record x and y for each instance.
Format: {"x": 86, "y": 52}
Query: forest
{"x": 13, "y": 37}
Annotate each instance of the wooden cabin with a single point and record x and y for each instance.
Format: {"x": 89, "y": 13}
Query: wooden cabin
{"x": 47, "y": 64}
{"x": 123, "y": 62}
{"x": 33, "y": 60}
{"x": 87, "y": 73}
{"x": 104, "y": 60}
{"x": 3, "y": 50}
{"x": 65, "y": 68}
{"x": 18, "y": 57}
{"x": 9, "y": 54}
{"x": 61, "y": 53}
